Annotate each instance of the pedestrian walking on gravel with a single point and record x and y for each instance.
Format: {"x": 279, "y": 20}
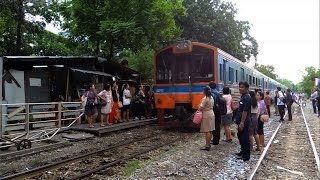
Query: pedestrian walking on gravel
{"x": 217, "y": 113}
{"x": 280, "y": 103}
{"x": 243, "y": 121}
{"x": 267, "y": 101}
{"x": 318, "y": 103}
{"x": 253, "y": 130}
{"x": 314, "y": 101}
{"x": 289, "y": 102}
{"x": 207, "y": 123}
{"x": 275, "y": 100}
{"x": 262, "y": 110}
{"x": 226, "y": 120}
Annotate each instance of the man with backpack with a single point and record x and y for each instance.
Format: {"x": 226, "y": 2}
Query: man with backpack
{"x": 219, "y": 109}
{"x": 289, "y": 101}
{"x": 281, "y": 103}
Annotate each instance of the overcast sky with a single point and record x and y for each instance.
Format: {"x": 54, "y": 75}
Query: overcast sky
{"x": 287, "y": 32}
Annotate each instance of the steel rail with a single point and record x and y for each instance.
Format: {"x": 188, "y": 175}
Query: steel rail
{"x": 265, "y": 151}
{"x": 88, "y": 173}
{"x": 31, "y": 172}
{"x": 312, "y": 142}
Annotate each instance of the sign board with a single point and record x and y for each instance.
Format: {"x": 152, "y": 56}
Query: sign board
{"x": 35, "y": 82}
{"x": 317, "y": 82}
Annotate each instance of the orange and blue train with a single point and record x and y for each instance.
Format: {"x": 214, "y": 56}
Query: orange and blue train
{"x": 183, "y": 69}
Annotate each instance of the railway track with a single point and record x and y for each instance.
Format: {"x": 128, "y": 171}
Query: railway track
{"x": 290, "y": 152}
{"x": 84, "y": 165}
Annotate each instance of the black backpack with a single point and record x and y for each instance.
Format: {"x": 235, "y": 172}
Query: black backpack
{"x": 220, "y": 104}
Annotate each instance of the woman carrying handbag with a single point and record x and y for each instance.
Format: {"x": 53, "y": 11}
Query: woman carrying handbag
{"x": 207, "y": 122}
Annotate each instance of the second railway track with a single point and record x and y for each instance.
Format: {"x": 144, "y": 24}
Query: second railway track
{"x": 290, "y": 153}
{"x": 92, "y": 162}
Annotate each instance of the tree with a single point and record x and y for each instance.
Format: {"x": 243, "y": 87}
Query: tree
{"x": 307, "y": 83}
{"x": 267, "y": 70}
{"x": 18, "y": 23}
{"x": 109, "y": 26}
{"x": 214, "y": 22}
{"x": 141, "y": 61}
{"x": 289, "y": 84}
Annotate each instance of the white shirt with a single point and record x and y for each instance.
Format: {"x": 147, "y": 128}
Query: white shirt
{"x": 279, "y": 101}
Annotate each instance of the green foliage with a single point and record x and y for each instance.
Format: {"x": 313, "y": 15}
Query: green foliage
{"x": 289, "y": 84}
{"x": 267, "y": 70}
{"x": 307, "y": 83}
{"x": 109, "y": 26}
{"x": 214, "y": 22}
{"x": 18, "y": 25}
{"x": 131, "y": 167}
{"x": 141, "y": 61}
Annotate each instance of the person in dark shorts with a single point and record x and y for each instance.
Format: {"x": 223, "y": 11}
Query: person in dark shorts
{"x": 91, "y": 99}
{"x": 262, "y": 110}
{"x": 253, "y": 130}
{"x": 243, "y": 121}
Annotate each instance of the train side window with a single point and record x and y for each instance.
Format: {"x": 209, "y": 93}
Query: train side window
{"x": 242, "y": 74}
{"x": 254, "y": 80}
{"x": 259, "y": 82}
{"x": 247, "y": 79}
{"x": 221, "y": 72}
{"x": 201, "y": 64}
{"x": 250, "y": 79}
{"x": 231, "y": 75}
{"x": 237, "y": 76}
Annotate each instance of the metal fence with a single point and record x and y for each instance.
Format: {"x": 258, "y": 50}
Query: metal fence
{"x": 29, "y": 118}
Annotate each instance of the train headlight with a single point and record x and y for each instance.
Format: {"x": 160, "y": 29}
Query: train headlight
{"x": 182, "y": 47}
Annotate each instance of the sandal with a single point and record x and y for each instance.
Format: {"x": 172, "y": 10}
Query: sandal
{"x": 206, "y": 148}
{"x": 102, "y": 125}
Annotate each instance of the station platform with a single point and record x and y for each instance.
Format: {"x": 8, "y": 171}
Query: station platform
{"x": 98, "y": 130}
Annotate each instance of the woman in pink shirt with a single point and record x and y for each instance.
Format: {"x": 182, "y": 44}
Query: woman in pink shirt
{"x": 226, "y": 120}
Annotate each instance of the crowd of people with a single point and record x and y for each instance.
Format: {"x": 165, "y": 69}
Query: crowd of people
{"x": 249, "y": 114}
{"x": 115, "y": 105}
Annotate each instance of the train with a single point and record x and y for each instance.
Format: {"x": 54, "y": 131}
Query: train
{"x": 183, "y": 69}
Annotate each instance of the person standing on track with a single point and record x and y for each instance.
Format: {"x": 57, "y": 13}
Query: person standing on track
{"x": 318, "y": 103}
{"x": 267, "y": 102}
{"x": 226, "y": 120}
{"x": 276, "y": 109}
{"x": 253, "y": 130}
{"x": 314, "y": 101}
{"x": 216, "y": 97}
{"x": 289, "y": 102}
{"x": 262, "y": 110}
{"x": 280, "y": 103}
{"x": 243, "y": 121}
{"x": 207, "y": 123}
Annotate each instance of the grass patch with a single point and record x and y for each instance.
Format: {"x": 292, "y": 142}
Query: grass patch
{"x": 131, "y": 167}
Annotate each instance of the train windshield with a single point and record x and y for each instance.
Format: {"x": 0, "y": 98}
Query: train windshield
{"x": 176, "y": 68}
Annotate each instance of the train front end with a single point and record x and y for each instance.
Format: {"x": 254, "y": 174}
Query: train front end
{"x": 182, "y": 70}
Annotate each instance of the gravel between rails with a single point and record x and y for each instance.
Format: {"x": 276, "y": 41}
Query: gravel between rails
{"x": 291, "y": 149}
{"x": 71, "y": 170}
{"x": 40, "y": 159}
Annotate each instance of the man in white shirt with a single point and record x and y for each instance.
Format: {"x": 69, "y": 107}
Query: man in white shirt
{"x": 280, "y": 103}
